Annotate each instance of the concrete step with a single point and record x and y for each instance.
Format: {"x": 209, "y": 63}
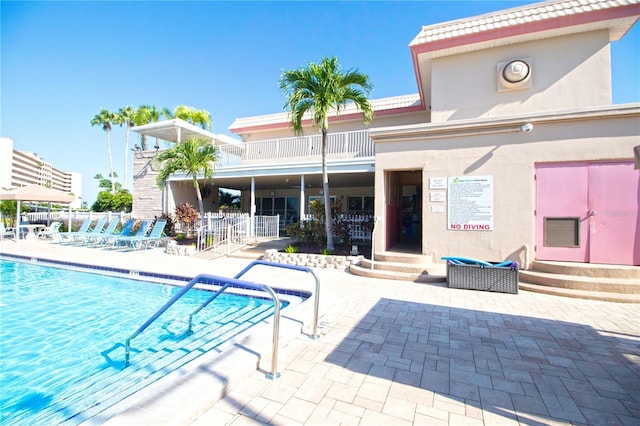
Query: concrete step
{"x": 412, "y": 268}
{"x": 397, "y": 257}
{"x": 422, "y": 276}
{"x": 581, "y": 294}
{"x": 612, "y": 283}
{"x": 586, "y": 283}
{"x": 587, "y": 269}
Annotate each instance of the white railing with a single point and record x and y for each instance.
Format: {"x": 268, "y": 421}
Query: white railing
{"x": 345, "y": 145}
{"x": 359, "y": 225}
{"x": 62, "y": 215}
{"x": 227, "y": 234}
{"x": 209, "y": 218}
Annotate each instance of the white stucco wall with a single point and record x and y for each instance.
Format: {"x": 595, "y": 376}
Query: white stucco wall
{"x": 568, "y": 72}
{"x": 510, "y": 158}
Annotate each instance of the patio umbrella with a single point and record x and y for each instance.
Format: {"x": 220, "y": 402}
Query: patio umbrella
{"x": 35, "y": 193}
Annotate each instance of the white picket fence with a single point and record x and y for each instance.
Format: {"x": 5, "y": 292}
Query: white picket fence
{"x": 357, "y": 225}
{"x": 63, "y": 216}
{"x": 225, "y": 234}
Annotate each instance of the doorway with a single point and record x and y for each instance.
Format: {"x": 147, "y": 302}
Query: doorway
{"x": 588, "y": 212}
{"x": 404, "y": 211}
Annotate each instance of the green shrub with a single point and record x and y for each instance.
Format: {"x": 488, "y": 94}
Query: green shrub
{"x": 291, "y": 249}
{"x": 326, "y": 252}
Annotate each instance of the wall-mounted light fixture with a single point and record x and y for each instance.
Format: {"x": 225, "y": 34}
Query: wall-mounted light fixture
{"x": 514, "y": 74}
{"x": 137, "y": 151}
{"x": 526, "y": 127}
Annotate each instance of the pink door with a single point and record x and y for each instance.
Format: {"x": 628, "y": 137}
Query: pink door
{"x": 614, "y": 228}
{"x": 588, "y": 212}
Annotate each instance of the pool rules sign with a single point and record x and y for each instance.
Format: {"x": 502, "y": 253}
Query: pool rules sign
{"x": 470, "y": 206}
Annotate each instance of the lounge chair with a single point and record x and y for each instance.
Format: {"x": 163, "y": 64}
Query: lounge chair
{"x": 142, "y": 231}
{"x": 69, "y": 235}
{"x": 80, "y": 236}
{"x": 51, "y": 231}
{"x": 153, "y": 238}
{"x": 105, "y": 237}
{"x": 87, "y": 237}
{"x": 4, "y": 232}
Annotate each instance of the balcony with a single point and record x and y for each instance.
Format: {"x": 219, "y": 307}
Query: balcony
{"x": 340, "y": 146}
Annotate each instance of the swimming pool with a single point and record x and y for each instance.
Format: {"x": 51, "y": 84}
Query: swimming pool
{"x": 61, "y": 334}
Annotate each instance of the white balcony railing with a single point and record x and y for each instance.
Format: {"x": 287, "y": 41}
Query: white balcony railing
{"x": 345, "y": 145}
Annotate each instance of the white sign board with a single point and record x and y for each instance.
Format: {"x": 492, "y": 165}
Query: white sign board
{"x": 437, "y": 183}
{"x": 470, "y": 206}
{"x": 437, "y": 196}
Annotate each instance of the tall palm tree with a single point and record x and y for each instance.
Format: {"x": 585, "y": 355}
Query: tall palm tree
{"x": 199, "y": 117}
{"x": 104, "y": 119}
{"x": 145, "y": 114}
{"x": 319, "y": 89}
{"x": 194, "y": 157}
{"x": 125, "y": 116}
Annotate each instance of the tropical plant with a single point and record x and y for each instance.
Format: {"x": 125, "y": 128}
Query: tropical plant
{"x": 187, "y": 216}
{"x": 125, "y": 117}
{"x": 104, "y": 119}
{"x": 199, "y": 117}
{"x": 319, "y": 89}
{"x": 227, "y": 199}
{"x": 291, "y": 249}
{"x": 145, "y": 114}
{"x": 105, "y": 184}
{"x": 170, "y": 226}
{"x": 9, "y": 210}
{"x": 194, "y": 157}
{"x": 121, "y": 200}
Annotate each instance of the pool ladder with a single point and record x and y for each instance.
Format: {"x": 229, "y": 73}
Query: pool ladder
{"x": 243, "y": 284}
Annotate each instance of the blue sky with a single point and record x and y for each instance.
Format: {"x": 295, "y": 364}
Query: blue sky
{"x": 61, "y": 62}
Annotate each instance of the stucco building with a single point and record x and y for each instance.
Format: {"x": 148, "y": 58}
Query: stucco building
{"x": 20, "y": 168}
{"x": 511, "y": 149}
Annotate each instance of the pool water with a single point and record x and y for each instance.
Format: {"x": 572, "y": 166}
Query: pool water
{"x": 62, "y": 335}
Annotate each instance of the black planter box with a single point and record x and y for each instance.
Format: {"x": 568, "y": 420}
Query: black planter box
{"x": 488, "y": 278}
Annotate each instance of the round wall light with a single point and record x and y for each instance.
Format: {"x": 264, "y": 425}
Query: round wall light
{"x": 514, "y": 74}
{"x": 516, "y": 71}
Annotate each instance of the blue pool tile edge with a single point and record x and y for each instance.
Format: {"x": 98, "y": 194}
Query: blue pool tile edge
{"x": 128, "y": 273}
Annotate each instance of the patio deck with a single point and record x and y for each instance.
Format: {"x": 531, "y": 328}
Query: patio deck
{"x": 399, "y": 353}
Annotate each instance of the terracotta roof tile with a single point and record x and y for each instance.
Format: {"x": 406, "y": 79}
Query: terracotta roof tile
{"x": 381, "y": 104}
{"x": 511, "y": 17}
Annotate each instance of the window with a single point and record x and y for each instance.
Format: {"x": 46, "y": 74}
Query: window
{"x": 360, "y": 205}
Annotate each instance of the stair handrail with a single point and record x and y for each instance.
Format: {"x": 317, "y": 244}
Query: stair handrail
{"x": 186, "y": 288}
{"x": 316, "y": 305}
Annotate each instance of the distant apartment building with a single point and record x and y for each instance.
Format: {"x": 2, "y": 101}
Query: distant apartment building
{"x": 20, "y": 168}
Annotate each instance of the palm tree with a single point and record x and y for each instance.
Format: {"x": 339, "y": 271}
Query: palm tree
{"x": 199, "y": 117}
{"x": 104, "y": 119}
{"x": 318, "y": 89}
{"x": 125, "y": 116}
{"x": 194, "y": 156}
{"x": 145, "y": 114}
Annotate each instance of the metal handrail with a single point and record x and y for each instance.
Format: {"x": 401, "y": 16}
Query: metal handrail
{"x": 316, "y": 304}
{"x": 275, "y": 265}
{"x": 228, "y": 281}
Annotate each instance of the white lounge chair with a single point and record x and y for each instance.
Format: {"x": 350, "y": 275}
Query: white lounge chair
{"x": 50, "y": 231}
{"x": 4, "y": 232}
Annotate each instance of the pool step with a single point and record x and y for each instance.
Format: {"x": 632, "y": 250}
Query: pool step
{"x": 150, "y": 359}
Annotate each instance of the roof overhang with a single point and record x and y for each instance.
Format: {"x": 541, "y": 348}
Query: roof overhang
{"x": 177, "y": 130}
{"x": 35, "y": 192}
{"x": 521, "y": 24}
